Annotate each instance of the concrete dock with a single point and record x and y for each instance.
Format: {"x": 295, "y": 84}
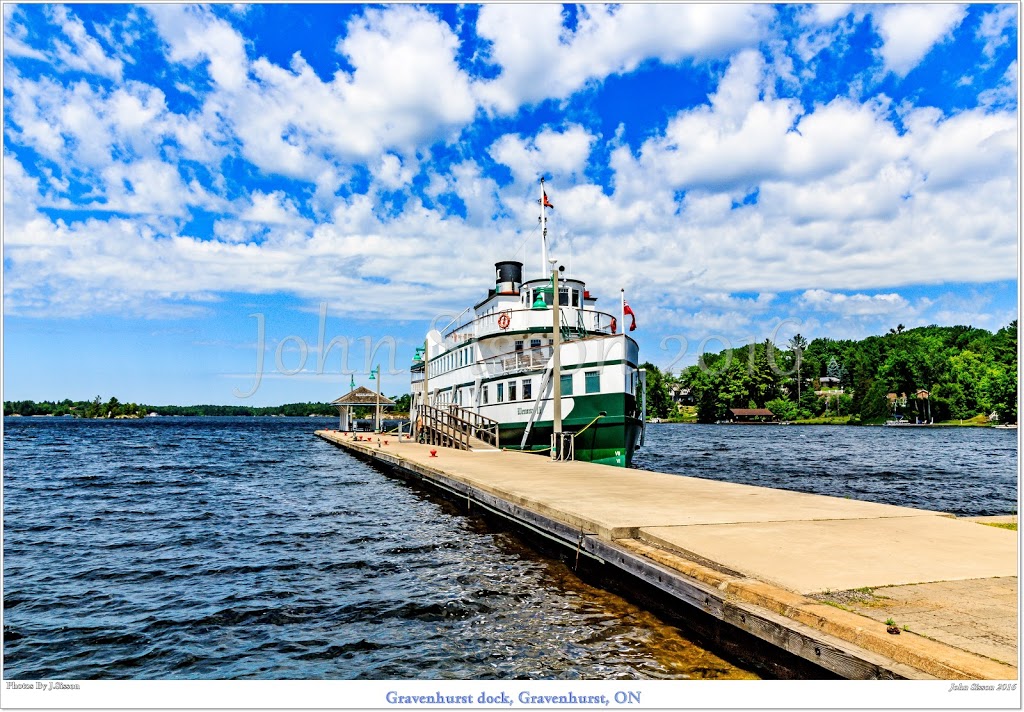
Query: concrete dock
{"x": 813, "y": 575}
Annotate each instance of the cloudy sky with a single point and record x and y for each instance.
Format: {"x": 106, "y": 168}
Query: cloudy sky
{"x": 349, "y": 174}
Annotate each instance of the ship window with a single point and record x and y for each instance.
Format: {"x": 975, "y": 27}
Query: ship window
{"x": 551, "y": 342}
{"x": 501, "y": 393}
{"x": 567, "y": 384}
{"x": 593, "y": 381}
{"x": 534, "y": 343}
{"x": 511, "y": 390}
{"x": 483, "y": 394}
{"x": 519, "y": 345}
{"x": 527, "y": 388}
{"x": 575, "y": 297}
{"x": 563, "y": 296}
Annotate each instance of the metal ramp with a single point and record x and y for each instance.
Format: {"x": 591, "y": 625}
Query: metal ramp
{"x": 456, "y": 427}
{"x": 545, "y": 382}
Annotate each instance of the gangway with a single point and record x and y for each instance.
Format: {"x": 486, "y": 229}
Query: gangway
{"x": 456, "y": 427}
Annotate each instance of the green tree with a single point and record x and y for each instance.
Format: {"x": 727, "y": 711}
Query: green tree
{"x": 1003, "y": 395}
{"x": 875, "y": 404}
{"x": 834, "y": 369}
{"x": 798, "y": 344}
{"x": 659, "y": 401}
{"x": 95, "y": 408}
{"x": 811, "y": 404}
{"x": 402, "y": 403}
{"x": 763, "y": 375}
{"x": 783, "y": 408}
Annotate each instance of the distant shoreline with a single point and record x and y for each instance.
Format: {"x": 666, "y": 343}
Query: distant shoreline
{"x": 944, "y": 424}
{"x": 400, "y": 416}
{"x": 113, "y": 409}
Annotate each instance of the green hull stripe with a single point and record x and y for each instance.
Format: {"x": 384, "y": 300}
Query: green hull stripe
{"x": 610, "y": 439}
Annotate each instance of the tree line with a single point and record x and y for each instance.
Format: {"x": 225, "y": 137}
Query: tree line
{"x": 113, "y": 408}
{"x": 965, "y": 371}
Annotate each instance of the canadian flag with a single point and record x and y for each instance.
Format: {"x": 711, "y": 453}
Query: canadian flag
{"x": 627, "y": 310}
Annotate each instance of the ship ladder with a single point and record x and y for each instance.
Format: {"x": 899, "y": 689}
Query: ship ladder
{"x": 566, "y": 330}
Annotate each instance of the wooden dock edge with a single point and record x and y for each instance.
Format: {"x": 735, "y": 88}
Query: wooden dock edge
{"x": 823, "y": 636}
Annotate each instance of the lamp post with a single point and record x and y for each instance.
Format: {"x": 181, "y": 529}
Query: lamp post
{"x": 343, "y": 410}
{"x": 376, "y": 418}
{"x": 556, "y": 361}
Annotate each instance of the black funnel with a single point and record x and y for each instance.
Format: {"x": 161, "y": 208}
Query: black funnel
{"x": 508, "y": 277}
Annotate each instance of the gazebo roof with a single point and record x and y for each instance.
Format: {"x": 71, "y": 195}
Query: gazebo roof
{"x": 362, "y": 396}
{"x": 752, "y": 412}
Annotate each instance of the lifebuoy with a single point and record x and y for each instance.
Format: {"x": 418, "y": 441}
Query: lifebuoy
{"x": 504, "y": 320}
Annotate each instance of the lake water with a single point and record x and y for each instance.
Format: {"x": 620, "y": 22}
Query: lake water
{"x": 964, "y": 471}
{"x": 222, "y": 548}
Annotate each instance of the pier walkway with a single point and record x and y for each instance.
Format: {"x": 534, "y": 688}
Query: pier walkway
{"x": 815, "y": 575}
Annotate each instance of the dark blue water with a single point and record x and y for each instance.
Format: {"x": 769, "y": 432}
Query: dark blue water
{"x": 964, "y": 471}
{"x": 221, "y": 548}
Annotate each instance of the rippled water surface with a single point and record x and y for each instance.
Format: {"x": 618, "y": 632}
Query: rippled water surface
{"x": 964, "y": 471}
{"x": 246, "y": 548}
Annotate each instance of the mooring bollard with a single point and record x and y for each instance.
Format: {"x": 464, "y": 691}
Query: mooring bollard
{"x": 433, "y": 453}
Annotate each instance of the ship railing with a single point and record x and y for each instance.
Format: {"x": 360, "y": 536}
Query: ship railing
{"x": 591, "y": 321}
{"x": 481, "y": 427}
{"x": 530, "y": 359}
{"x": 452, "y": 427}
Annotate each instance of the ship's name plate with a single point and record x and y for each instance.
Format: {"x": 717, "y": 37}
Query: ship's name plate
{"x": 524, "y": 411}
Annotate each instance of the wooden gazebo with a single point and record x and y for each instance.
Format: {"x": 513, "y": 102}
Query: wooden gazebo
{"x": 751, "y": 415}
{"x": 360, "y": 396}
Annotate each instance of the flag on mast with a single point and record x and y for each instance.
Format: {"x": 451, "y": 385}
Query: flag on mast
{"x": 623, "y": 310}
{"x": 547, "y": 203}
{"x": 626, "y": 310}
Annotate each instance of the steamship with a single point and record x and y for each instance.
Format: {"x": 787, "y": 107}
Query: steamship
{"x": 498, "y": 360}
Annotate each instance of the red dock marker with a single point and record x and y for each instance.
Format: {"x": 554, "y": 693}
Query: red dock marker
{"x": 433, "y": 453}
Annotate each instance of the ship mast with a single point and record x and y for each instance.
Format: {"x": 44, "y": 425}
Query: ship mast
{"x": 543, "y": 232}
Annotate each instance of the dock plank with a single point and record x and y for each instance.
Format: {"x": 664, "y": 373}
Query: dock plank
{"x": 748, "y": 555}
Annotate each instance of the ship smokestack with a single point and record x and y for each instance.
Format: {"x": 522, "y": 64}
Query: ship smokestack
{"x": 508, "y": 277}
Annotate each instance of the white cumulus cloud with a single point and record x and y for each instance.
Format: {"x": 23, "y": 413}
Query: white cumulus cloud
{"x": 540, "y": 58}
{"x": 910, "y": 31}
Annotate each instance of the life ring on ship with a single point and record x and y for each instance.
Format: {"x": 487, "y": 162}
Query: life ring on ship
{"x": 504, "y": 320}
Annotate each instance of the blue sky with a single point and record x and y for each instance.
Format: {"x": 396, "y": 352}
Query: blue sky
{"x": 175, "y": 176}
